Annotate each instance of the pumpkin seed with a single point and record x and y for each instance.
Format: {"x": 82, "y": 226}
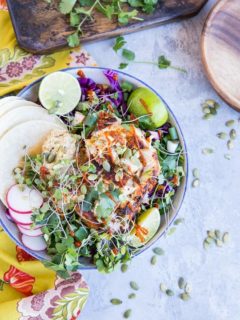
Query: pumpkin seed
{"x": 216, "y": 105}
{"x": 209, "y": 240}
{"x": 106, "y": 166}
{"x": 225, "y": 237}
{"x": 210, "y": 102}
{"x": 211, "y": 234}
{"x": 213, "y": 111}
{"x": 45, "y": 155}
{"x": 230, "y": 123}
{"x": 184, "y": 296}
{"x": 219, "y": 243}
{"x": 207, "y": 116}
{"x": 178, "y": 221}
{"x": 51, "y": 157}
{"x": 227, "y": 156}
{"x": 92, "y": 177}
{"x": 154, "y": 260}
{"x": 134, "y": 285}
{"x": 188, "y": 288}
{"x": 169, "y": 293}
{"x": 233, "y": 134}
{"x": 218, "y": 234}
{"x": 195, "y": 183}
{"x": 158, "y": 251}
{"x": 171, "y": 231}
{"x": 230, "y": 144}
{"x": 181, "y": 283}
{"x": 127, "y": 313}
{"x": 206, "y": 110}
{"x": 132, "y": 296}
{"x": 83, "y": 189}
{"x": 163, "y": 288}
{"x": 124, "y": 267}
{"x": 195, "y": 173}
{"x": 116, "y": 301}
{"x": 206, "y": 151}
{"x": 205, "y": 244}
{"x": 222, "y": 135}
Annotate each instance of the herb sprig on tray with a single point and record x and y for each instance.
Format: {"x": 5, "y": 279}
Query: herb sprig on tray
{"x": 81, "y": 11}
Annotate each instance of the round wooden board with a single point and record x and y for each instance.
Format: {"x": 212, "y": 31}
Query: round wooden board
{"x": 221, "y": 50}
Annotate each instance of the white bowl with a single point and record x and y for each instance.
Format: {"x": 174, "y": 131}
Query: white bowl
{"x": 96, "y": 73}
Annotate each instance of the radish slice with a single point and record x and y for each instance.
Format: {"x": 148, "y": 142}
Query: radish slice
{"x": 22, "y": 199}
{"x": 30, "y": 232}
{"x": 20, "y": 218}
{"x": 8, "y": 215}
{"x": 34, "y": 243}
{"x": 28, "y": 226}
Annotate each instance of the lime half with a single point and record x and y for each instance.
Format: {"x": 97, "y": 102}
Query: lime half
{"x": 148, "y": 224}
{"x": 59, "y": 92}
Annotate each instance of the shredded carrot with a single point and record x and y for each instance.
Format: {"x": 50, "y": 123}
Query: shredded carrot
{"x": 90, "y": 94}
{"x": 81, "y": 74}
{"x": 175, "y": 180}
{"x": 115, "y": 251}
{"x": 160, "y": 133}
{"x": 141, "y": 232}
{"x": 115, "y": 77}
{"x": 77, "y": 243}
{"x": 43, "y": 172}
{"x": 110, "y": 108}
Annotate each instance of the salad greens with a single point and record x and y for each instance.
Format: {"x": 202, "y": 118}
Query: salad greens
{"x": 87, "y": 213}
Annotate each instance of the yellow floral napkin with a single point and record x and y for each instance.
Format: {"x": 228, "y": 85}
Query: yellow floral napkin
{"x": 29, "y": 291}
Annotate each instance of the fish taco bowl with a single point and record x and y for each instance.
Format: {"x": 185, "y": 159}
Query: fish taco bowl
{"x": 97, "y": 176}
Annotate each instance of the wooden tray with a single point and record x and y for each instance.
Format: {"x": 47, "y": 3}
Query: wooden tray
{"x": 221, "y": 50}
{"x": 41, "y": 28}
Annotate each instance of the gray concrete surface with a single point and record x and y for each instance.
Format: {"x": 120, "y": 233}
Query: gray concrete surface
{"x": 214, "y": 274}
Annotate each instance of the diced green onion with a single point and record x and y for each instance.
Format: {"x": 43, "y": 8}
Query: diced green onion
{"x": 173, "y": 133}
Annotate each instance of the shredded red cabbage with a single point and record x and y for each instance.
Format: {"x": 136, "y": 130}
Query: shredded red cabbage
{"x": 114, "y": 88}
{"x": 165, "y": 127}
{"x": 86, "y": 85}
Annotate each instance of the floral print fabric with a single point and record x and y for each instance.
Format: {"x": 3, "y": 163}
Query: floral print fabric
{"x": 64, "y": 302}
{"x": 36, "y": 292}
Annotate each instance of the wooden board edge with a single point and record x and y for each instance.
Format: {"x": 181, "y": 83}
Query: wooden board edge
{"x": 207, "y": 72}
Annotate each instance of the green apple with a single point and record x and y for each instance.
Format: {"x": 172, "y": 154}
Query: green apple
{"x": 143, "y": 101}
{"x": 149, "y": 220}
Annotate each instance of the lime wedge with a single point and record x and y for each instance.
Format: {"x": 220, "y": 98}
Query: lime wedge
{"x": 143, "y": 101}
{"x": 148, "y": 221}
{"x": 59, "y": 92}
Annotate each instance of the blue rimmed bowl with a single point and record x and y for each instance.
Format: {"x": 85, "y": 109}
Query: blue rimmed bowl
{"x": 96, "y": 73}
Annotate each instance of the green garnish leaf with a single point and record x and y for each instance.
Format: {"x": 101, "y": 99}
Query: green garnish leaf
{"x": 128, "y": 54}
{"x": 81, "y": 233}
{"x": 73, "y": 40}
{"x": 105, "y": 206}
{"x": 66, "y": 6}
{"x": 126, "y": 86}
{"x": 123, "y": 65}
{"x": 163, "y": 62}
{"x": 119, "y": 43}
